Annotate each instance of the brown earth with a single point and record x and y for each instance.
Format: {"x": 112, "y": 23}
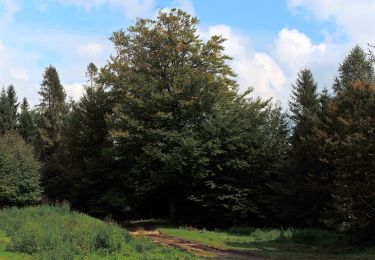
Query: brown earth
{"x": 194, "y": 247}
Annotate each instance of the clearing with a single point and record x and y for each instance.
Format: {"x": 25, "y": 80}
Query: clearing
{"x": 253, "y": 243}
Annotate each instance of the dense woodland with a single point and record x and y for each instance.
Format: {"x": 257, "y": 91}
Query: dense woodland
{"x": 162, "y": 131}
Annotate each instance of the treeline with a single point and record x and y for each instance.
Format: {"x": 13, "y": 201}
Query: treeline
{"x": 162, "y": 131}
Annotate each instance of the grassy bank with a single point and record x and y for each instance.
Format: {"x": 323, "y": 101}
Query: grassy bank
{"x": 47, "y": 232}
{"x": 276, "y": 243}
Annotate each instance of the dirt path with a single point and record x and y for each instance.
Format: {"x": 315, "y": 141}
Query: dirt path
{"x": 194, "y": 247}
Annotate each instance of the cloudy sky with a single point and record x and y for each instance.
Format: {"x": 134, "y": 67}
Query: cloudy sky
{"x": 270, "y": 40}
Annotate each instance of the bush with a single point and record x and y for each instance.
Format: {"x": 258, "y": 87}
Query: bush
{"x": 19, "y": 172}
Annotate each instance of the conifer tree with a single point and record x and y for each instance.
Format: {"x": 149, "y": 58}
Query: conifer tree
{"x": 27, "y": 125}
{"x": 307, "y": 198}
{"x": 8, "y": 109}
{"x": 355, "y": 67}
{"x": 4, "y": 111}
{"x": 87, "y": 146}
{"x": 52, "y": 112}
{"x": 13, "y": 102}
{"x": 304, "y": 107}
{"x": 347, "y": 146}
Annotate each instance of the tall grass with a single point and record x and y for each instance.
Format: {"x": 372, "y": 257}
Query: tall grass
{"x": 48, "y": 232}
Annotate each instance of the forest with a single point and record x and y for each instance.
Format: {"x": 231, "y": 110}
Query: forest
{"x": 162, "y": 131}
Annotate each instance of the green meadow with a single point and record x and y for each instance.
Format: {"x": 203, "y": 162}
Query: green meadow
{"x": 48, "y": 232}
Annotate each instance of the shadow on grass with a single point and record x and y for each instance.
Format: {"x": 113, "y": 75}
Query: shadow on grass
{"x": 146, "y": 224}
{"x": 292, "y": 243}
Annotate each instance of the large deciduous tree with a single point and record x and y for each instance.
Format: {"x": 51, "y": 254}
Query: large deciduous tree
{"x": 165, "y": 82}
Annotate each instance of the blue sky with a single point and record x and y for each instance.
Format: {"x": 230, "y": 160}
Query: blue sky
{"x": 270, "y": 40}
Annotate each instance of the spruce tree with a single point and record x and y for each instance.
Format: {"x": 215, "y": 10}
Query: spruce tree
{"x": 13, "y": 103}
{"x": 94, "y": 188}
{"x": 52, "y": 112}
{"x": 304, "y": 107}
{"x": 27, "y": 125}
{"x": 4, "y": 111}
{"x": 8, "y": 109}
{"x": 307, "y": 199}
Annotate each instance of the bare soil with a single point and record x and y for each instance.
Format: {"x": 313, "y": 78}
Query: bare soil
{"x": 194, "y": 247}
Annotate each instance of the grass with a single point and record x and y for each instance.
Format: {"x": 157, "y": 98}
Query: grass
{"x": 276, "y": 243}
{"x": 48, "y": 232}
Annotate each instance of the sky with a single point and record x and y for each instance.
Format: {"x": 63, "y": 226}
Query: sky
{"x": 269, "y": 40}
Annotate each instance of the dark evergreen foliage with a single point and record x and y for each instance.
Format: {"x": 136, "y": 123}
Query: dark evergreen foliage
{"x": 94, "y": 187}
{"x": 52, "y": 112}
{"x": 27, "y": 125}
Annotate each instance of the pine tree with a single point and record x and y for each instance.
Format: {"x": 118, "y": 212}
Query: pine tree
{"x": 52, "y": 112}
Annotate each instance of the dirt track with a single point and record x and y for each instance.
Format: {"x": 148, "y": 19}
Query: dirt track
{"x": 195, "y": 248}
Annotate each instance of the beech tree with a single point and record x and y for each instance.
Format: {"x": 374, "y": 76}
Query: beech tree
{"x": 165, "y": 82}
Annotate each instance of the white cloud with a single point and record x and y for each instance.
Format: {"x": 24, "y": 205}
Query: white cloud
{"x": 90, "y": 49}
{"x": 74, "y": 90}
{"x": 295, "y": 49}
{"x": 20, "y": 74}
{"x": 354, "y": 19}
{"x": 24, "y": 67}
{"x": 272, "y": 72}
{"x": 254, "y": 69}
{"x": 10, "y": 8}
{"x": 132, "y": 8}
